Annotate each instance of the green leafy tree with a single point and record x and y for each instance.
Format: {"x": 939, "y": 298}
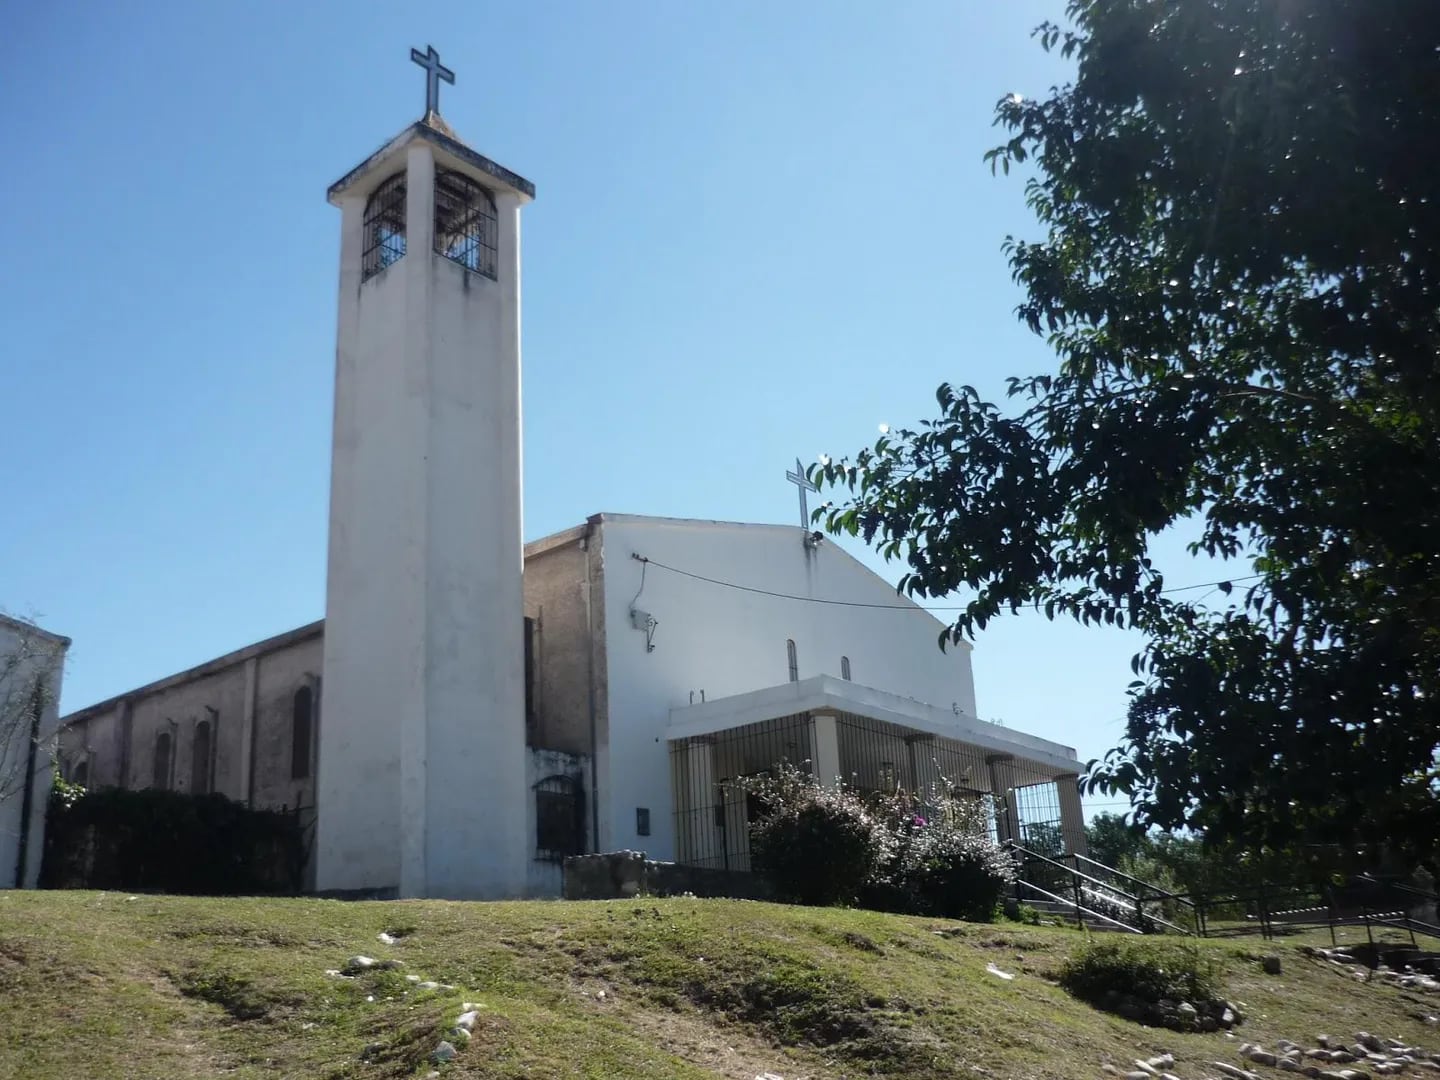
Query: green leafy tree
{"x": 1111, "y": 838}
{"x": 1239, "y": 274}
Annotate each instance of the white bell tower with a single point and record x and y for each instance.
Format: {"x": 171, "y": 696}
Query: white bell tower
{"x": 421, "y": 788}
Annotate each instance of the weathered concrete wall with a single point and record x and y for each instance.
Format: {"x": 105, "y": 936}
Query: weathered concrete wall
{"x": 557, "y": 599}
{"x": 247, "y": 698}
{"x": 96, "y": 742}
{"x": 217, "y": 698}
{"x": 279, "y": 676}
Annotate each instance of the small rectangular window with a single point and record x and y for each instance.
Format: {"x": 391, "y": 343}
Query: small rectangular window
{"x": 642, "y": 821}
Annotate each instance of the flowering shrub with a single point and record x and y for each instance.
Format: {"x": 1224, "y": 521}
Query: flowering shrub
{"x": 895, "y": 852}
{"x": 815, "y": 845}
{"x": 939, "y": 859}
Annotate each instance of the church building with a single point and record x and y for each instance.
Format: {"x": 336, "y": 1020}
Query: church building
{"x": 472, "y": 709}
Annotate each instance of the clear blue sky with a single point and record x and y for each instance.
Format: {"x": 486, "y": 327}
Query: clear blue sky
{"x": 762, "y": 230}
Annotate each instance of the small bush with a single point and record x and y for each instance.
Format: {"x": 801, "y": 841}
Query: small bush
{"x": 815, "y": 845}
{"x": 1024, "y": 913}
{"x": 1150, "y": 971}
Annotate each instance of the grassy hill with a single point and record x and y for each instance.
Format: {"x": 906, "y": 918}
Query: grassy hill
{"x": 110, "y": 985}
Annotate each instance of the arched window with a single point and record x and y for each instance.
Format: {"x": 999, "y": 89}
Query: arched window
{"x": 301, "y": 727}
{"x": 793, "y": 659}
{"x": 384, "y": 227}
{"x": 200, "y": 759}
{"x": 466, "y": 228}
{"x": 80, "y": 774}
{"x": 160, "y": 776}
{"x": 845, "y": 668}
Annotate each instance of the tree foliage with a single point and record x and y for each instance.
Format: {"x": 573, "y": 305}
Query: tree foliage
{"x": 1110, "y": 839}
{"x": 1239, "y": 275}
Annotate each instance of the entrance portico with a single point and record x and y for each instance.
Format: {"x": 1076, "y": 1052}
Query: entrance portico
{"x": 873, "y": 741}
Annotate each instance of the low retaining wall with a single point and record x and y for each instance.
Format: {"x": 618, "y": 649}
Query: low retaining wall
{"x": 619, "y": 875}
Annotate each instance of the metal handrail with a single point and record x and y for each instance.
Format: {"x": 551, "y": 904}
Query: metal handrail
{"x": 1404, "y": 922}
{"x": 1071, "y": 903}
{"x": 1264, "y": 896}
{"x": 1398, "y": 887}
{"x": 1143, "y": 914}
{"x": 1077, "y": 876}
{"x": 1069, "y": 870}
{"x": 1160, "y": 894}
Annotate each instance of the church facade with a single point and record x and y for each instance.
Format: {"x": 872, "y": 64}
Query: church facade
{"x": 472, "y": 710}
{"x": 648, "y": 684}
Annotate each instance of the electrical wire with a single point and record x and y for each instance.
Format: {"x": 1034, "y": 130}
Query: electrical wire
{"x": 863, "y": 604}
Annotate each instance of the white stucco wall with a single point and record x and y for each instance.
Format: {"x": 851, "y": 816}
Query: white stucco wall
{"x": 725, "y": 641}
{"x": 37, "y": 655}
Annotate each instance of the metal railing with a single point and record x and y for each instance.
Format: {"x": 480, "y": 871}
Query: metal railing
{"x": 1090, "y": 893}
{"x": 1268, "y": 909}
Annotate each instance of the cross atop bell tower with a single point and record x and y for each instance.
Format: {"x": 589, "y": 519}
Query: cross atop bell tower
{"x": 435, "y": 72}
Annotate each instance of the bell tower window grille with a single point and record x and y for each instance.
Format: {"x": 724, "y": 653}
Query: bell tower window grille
{"x": 466, "y": 226}
{"x": 384, "y": 227}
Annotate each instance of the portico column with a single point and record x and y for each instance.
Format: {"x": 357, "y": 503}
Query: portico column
{"x": 824, "y": 749}
{"x": 1072, "y": 814}
{"x": 1002, "y": 785}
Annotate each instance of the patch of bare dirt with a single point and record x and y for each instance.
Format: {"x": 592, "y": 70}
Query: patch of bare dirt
{"x": 725, "y": 1051}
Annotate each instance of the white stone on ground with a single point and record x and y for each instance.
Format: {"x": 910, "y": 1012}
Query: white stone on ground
{"x": 1231, "y": 1070}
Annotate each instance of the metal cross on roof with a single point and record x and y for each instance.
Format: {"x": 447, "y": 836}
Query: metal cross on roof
{"x": 434, "y": 72}
{"x": 799, "y": 479}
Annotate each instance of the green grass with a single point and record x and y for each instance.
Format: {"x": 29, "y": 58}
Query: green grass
{"x": 108, "y": 985}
